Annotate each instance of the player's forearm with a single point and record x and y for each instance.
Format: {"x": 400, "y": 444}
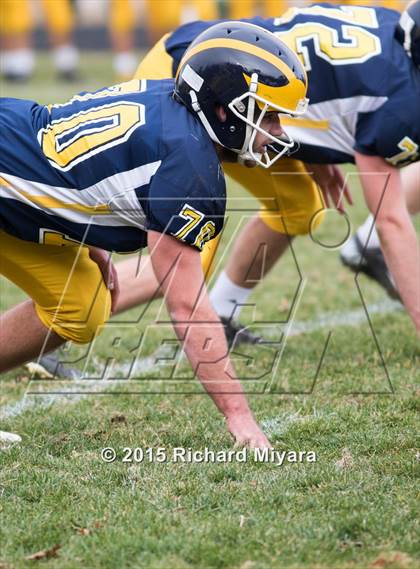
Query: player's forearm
{"x": 401, "y": 250}
{"x": 384, "y": 196}
{"x": 206, "y": 348}
{"x": 199, "y": 328}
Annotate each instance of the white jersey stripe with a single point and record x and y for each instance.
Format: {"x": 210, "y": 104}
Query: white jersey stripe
{"x": 111, "y": 201}
{"x": 341, "y": 114}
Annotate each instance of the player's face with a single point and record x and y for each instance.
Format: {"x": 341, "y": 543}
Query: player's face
{"x": 271, "y": 124}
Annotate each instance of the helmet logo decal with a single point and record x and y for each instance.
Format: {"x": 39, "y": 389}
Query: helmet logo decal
{"x": 192, "y": 78}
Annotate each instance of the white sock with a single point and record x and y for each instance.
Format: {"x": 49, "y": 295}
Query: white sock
{"x": 227, "y": 297}
{"x": 363, "y": 234}
{"x": 125, "y": 63}
{"x": 66, "y": 58}
{"x": 17, "y": 62}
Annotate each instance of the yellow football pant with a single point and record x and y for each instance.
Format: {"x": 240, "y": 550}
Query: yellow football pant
{"x": 238, "y": 9}
{"x": 289, "y": 197}
{"x": 66, "y": 286}
{"x": 164, "y": 15}
{"x": 16, "y": 18}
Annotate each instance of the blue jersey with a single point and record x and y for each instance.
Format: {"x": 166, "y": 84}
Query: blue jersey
{"x": 106, "y": 167}
{"x": 364, "y": 91}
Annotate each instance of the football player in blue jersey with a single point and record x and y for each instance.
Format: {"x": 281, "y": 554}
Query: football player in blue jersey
{"x": 363, "y": 65}
{"x": 363, "y": 251}
{"x": 364, "y": 92}
{"x": 132, "y": 165}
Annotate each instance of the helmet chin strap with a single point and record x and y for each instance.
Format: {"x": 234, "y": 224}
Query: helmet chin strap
{"x": 247, "y": 157}
{"x": 244, "y": 152}
{"x": 196, "y": 107}
{"x": 407, "y": 24}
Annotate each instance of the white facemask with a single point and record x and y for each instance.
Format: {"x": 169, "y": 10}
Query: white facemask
{"x": 237, "y": 106}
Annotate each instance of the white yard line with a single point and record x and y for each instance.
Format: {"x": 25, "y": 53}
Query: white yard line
{"x": 33, "y": 401}
{"x": 147, "y": 364}
{"x": 281, "y": 423}
{"x": 348, "y": 318}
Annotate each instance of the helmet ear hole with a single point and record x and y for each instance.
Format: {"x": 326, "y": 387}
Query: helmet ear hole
{"x": 220, "y": 112}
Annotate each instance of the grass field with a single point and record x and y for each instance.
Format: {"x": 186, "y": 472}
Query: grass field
{"x": 328, "y": 389}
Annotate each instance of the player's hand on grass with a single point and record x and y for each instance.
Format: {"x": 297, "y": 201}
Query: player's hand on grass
{"x": 109, "y": 273}
{"x": 246, "y": 431}
{"x": 332, "y": 183}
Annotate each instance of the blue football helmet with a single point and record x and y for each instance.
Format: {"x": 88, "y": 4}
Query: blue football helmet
{"x": 248, "y": 71}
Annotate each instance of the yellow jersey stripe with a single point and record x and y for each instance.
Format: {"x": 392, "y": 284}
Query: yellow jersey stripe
{"x": 54, "y": 203}
{"x": 305, "y": 123}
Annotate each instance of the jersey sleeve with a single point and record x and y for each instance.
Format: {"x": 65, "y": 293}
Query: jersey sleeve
{"x": 187, "y": 199}
{"x": 391, "y": 133}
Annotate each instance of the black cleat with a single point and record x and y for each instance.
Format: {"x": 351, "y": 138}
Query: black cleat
{"x": 16, "y": 77}
{"x": 70, "y": 76}
{"x": 50, "y": 367}
{"x": 371, "y": 262}
{"x": 238, "y": 334}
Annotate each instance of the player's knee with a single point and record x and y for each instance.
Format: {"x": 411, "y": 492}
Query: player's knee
{"x": 297, "y": 224}
{"x": 79, "y": 322}
{"x": 92, "y": 326}
{"x": 316, "y": 220}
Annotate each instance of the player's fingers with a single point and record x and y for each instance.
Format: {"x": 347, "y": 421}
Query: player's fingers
{"x": 103, "y": 260}
{"x": 326, "y": 197}
{"x": 338, "y": 199}
{"x": 339, "y": 178}
{"x": 260, "y": 442}
{"x": 347, "y": 194}
{"x": 114, "y": 288}
{"x": 342, "y": 185}
{"x": 240, "y": 442}
{"x": 334, "y": 196}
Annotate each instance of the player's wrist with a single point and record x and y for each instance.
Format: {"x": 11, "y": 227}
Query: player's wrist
{"x": 239, "y": 413}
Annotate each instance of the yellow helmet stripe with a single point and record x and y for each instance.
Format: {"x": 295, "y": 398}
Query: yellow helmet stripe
{"x": 240, "y": 46}
{"x": 287, "y": 96}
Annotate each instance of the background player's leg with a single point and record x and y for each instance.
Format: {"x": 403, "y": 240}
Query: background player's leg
{"x": 138, "y": 283}
{"x": 362, "y": 253}
{"x": 290, "y": 199}
{"x": 410, "y": 176}
{"x": 17, "y": 60}
{"x": 255, "y": 252}
{"x": 59, "y": 18}
{"x": 122, "y": 24}
{"x": 23, "y": 336}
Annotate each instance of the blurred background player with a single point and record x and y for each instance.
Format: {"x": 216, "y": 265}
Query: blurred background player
{"x": 16, "y": 27}
{"x": 122, "y": 17}
{"x": 156, "y": 17}
{"x": 17, "y": 24}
